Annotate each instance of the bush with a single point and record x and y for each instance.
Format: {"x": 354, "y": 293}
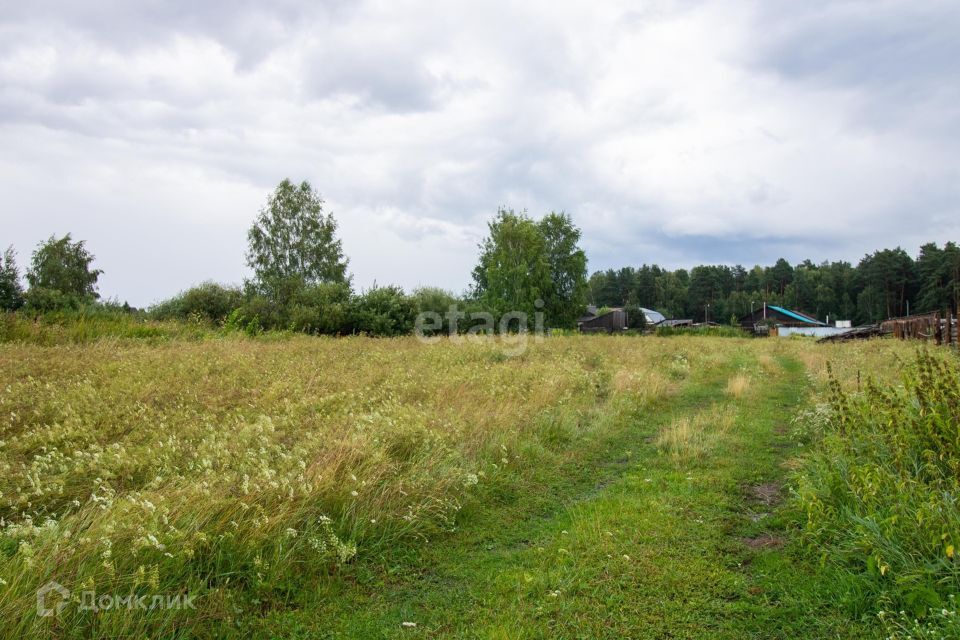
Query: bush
{"x": 635, "y": 318}
{"x": 880, "y": 495}
{"x": 255, "y": 315}
{"x": 438, "y": 301}
{"x": 44, "y": 300}
{"x": 326, "y": 308}
{"x": 209, "y": 301}
{"x": 322, "y": 308}
{"x": 384, "y": 311}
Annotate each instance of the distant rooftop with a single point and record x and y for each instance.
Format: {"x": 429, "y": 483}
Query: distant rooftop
{"x": 651, "y": 316}
{"x": 797, "y": 315}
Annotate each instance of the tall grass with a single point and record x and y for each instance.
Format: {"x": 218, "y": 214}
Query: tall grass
{"x": 91, "y": 324}
{"x": 880, "y": 494}
{"x": 690, "y": 439}
{"x": 721, "y": 331}
{"x": 739, "y": 385}
{"x": 237, "y": 470}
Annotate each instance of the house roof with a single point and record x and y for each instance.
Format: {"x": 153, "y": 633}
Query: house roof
{"x": 652, "y": 317}
{"x": 675, "y": 322}
{"x": 796, "y": 315}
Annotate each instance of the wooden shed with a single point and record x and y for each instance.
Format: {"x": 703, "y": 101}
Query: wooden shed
{"x": 613, "y": 320}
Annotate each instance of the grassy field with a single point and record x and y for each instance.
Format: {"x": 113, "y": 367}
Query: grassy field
{"x": 309, "y": 487}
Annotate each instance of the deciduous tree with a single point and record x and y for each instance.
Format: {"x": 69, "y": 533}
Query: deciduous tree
{"x": 11, "y": 290}
{"x": 513, "y": 272}
{"x": 567, "y": 294}
{"x": 60, "y": 270}
{"x": 293, "y": 243}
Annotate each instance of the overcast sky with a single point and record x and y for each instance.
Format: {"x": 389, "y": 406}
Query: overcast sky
{"x": 673, "y": 132}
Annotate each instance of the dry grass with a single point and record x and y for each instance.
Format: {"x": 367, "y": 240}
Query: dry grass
{"x": 882, "y": 360}
{"x": 768, "y": 364}
{"x": 650, "y": 385}
{"x": 689, "y": 439}
{"x": 738, "y": 385}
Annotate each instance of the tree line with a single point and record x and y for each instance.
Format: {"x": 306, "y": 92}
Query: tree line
{"x": 884, "y": 284}
{"x": 300, "y": 280}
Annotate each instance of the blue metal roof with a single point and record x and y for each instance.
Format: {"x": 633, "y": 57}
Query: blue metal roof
{"x": 796, "y": 316}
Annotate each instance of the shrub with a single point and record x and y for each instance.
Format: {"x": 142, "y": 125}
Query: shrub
{"x": 45, "y": 300}
{"x": 880, "y": 494}
{"x": 255, "y": 315}
{"x": 434, "y": 300}
{"x": 384, "y": 311}
{"x": 322, "y": 308}
{"x": 210, "y": 301}
{"x": 635, "y": 318}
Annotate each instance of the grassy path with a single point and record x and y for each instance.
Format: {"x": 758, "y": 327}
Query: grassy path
{"x": 651, "y": 545}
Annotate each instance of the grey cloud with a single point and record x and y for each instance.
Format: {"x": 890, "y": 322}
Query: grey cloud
{"x": 685, "y": 133}
{"x": 902, "y": 55}
{"x": 380, "y": 78}
{"x": 880, "y": 44}
{"x": 248, "y": 28}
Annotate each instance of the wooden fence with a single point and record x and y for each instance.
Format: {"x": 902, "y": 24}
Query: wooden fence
{"x": 940, "y": 328}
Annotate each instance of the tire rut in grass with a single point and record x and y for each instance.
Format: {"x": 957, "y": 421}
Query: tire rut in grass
{"x": 762, "y": 500}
